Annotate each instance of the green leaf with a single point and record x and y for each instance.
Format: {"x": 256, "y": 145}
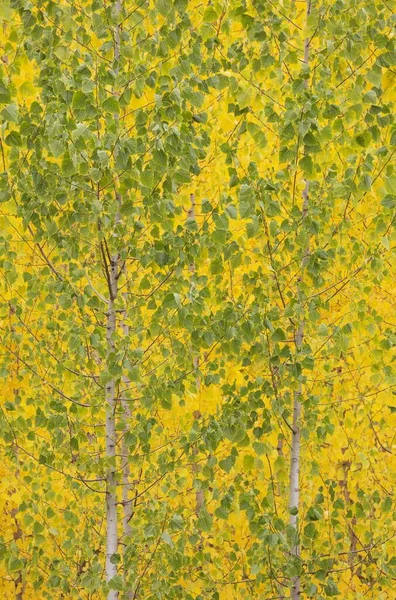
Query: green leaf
{"x": 227, "y": 463}
{"x": 160, "y": 158}
{"x": 62, "y": 53}
{"x": 311, "y": 590}
{"x": 116, "y": 583}
{"x": 68, "y": 167}
{"x": 390, "y": 184}
{"x": 309, "y": 530}
{"x": 389, "y": 201}
{"x": 164, "y": 7}
{"x": 57, "y": 147}
{"x": 246, "y": 200}
{"x": 256, "y": 569}
{"x": 248, "y": 462}
{"x": 167, "y": 539}
{"x": 14, "y": 564}
{"x": 387, "y": 505}
{"x": 10, "y": 113}
{"x": 172, "y": 301}
{"x": 13, "y": 139}
{"x": 5, "y": 94}
{"x": 127, "y": 208}
{"x": 210, "y": 15}
{"x": 306, "y": 164}
{"x": 279, "y": 335}
{"x": 79, "y": 100}
{"x": 310, "y": 140}
{"x": 331, "y": 589}
{"x": 111, "y": 105}
{"x": 314, "y": 514}
{"x": 5, "y": 195}
{"x": 205, "y": 520}
{"x": 221, "y": 513}
{"x": 363, "y": 139}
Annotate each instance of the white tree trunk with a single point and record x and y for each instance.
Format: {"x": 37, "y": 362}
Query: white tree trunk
{"x": 111, "y": 492}
{"x": 111, "y": 495}
{"x": 126, "y": 472}
{"x": 294, "y": 491}
{"x": 294, "y": 488}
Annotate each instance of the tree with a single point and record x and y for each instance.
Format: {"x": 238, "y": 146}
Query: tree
{"x": 198, "y": 211}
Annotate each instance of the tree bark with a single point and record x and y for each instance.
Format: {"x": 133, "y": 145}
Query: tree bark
{"x": 111, "y": 491}
{"x": 111, "y": 495}
{"x": 294, "y": 487}
{"x": 126, "y": 472}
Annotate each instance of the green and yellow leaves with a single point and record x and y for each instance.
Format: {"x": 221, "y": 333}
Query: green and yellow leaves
{"x": 101, "y": 158}
{"x": 10, "y": 113}
{"x": 246, "y": 200}
{"x": 5, "y": 94}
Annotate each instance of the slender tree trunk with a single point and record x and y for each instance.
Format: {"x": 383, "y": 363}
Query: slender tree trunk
{"x": 294, "y": 492}
{"x": 294, "y": 488}
{"x": 126, "y": 473}
{"x": 111, "y": 495}
{"x": 111, "y": 492}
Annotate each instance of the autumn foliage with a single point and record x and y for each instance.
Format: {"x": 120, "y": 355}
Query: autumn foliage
{"x": 197, "y": 210}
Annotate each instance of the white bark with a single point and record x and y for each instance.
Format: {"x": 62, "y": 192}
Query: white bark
{"x": 111, "y": 492}
{"x": 294, "y": 487}
{"x": 126, "y": 473}
{"x": 111, "y": 496}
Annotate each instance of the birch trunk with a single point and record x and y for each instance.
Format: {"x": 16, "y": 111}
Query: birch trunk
{"x": 111, "y": 496}
{"x": 294, "y": 488}
{"x": 126, "y": 472}
{"x": 111, "y": 492}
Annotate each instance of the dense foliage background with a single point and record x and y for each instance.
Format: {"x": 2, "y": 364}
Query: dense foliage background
{"x": 197, "y": 293}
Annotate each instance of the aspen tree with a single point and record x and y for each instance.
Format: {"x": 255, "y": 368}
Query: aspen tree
{"x": 114, "y": 119}
{"x": 294, "y": 492}
{"x": 111, "y": 264}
